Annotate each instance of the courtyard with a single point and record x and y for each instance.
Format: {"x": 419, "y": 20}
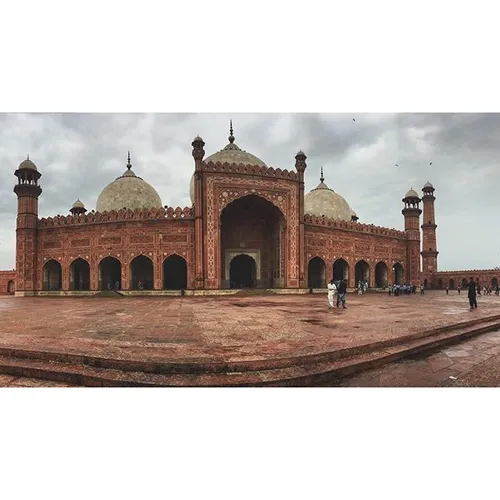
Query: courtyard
{"x": 232, "y": 329}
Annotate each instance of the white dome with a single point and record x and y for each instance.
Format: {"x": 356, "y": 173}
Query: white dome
{"x": 230, "y": 154}
{"x": 128, "y": 191}
{"x": 324, "y": 201}
{"x": 411, "y": 194}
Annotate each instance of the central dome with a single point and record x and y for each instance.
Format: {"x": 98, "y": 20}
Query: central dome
{"x": 325, "y": 201}
{"x": 128, "y": 191}
{"x": 230, "y": 154}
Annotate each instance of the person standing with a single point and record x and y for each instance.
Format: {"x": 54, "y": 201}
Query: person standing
{"x": 342, "y": 292}
{"x": 421, "y": 289}
{"x": 331, "y": 293}
{"x": 472, "y": 294}
{"x": 447, "y": 290}
{"x": 458, "y": 289}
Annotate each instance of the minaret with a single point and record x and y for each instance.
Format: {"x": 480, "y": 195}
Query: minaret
{"x": 429, "y": 244}
{"x": 411, "y": 213}
{"x": 300, "y": 166}
{"x": 27, "y": 191}
{"x": 198, "y": 154}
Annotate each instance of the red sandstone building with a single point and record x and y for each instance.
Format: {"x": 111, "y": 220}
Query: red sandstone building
{"x": 249, "y": 226}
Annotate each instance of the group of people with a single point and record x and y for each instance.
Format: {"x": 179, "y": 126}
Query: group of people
{"x": 405, "y": 289}
{"x": 362, "y": 287}
{"x": 341, "y": 289}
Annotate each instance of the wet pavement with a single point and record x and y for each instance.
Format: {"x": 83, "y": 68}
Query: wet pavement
{"x": 471, "y": 363}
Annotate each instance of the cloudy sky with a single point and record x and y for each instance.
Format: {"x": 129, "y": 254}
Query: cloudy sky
{"x": 79, "y": 154}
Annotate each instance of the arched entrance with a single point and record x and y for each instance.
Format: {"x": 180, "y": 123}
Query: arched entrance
{"x": 110, "y": 274}
{"x": 426, "y": 283}
{"x": 316, "y": 272}
{"x": 362, "y": 272}
{"x": 465, "y": 282}
{"x": 174, "y": 273}
{"x": 52, "y": 276}
{"x": 254, "y": 227}
{"x": 79, "y": 275}
{"x": 440, "y": 284}
{"x": 141, "y": 273}
{"x": 11, "y": 287}
{"x": 452, "y": 284}
{"x": 494, "y": 282}
{"x": 398, "y": 273}
{"x": 242, "y": 272}
{"x": 381, "y": 275}
{"x": 340, "y": 270}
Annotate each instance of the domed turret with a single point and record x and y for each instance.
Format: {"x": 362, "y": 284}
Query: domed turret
{"x": 78, "y": 208}
{"x": 411, "y": 194}
{"x": 325, "y": 201}
{"x": 27, "y": 165}
{"x": 128, "y": 191}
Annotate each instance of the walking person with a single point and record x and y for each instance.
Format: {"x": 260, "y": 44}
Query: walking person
{"x": 472, "y": 294}
{"x": 447, "y": 290}
{"x": 458, "y": 289}
{"x": 331, "y": 293}
{"x": 342, "y": 292}
{"x": 421, "y": 289}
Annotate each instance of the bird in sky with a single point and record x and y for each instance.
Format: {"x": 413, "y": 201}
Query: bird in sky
{"x": 430, "y": 163}
{"x": 353, "y": 120}
{"x": 397, "y": 165}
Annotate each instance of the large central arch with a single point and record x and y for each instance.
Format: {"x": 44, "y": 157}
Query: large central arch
{"x": 254, "y": 227}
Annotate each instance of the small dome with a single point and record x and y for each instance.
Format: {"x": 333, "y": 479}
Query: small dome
{"x": 128, "y": 191}
{"x": 428, "y": 185}
{"x": 78, "y": 204}
{"x": 324, "y": 201}
{"x": 411, "y": 194}
{"x": 27, "y": 165}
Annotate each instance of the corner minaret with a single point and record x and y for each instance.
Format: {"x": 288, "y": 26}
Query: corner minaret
{"x": 198, "y": 154}
{"x": 411, "y": 213}
{"x": 27, "y": 191}
{"x": 300, "y": 166}
{"x": 429, "y": 244}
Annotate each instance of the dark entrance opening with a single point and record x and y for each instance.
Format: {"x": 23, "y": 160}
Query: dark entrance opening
{"x": 79, "y": 275}
{"x": 494, "y": 283}
{"x": 242, "y": 272}
{"x": 362, "y": 272}
{"x": 110, "y": 274}
{"x": 52, "y": 276}
{"x": 142, "y": 273}
{"x": 316, "y": 271}
{"x": 174, "y": 273}
{"x": 11, "y": 288}
{"x": 340, "y": 270}
{"x": 381, "y": 275}
{"x": 398, "y": 274}
{"x": 452, "y": 284}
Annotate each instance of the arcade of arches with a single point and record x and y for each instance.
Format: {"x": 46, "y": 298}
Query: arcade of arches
{"x": 174, "y": 268}
{"x": 252, "y": 244}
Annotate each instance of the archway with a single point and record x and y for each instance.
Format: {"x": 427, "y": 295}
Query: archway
{"x": 79, "y": 275}
{"x": 52, "y": 276}
{"x": 398, "y": 273}
{"x": 254, "y": 226}
{"x": 440, "y": 284}
{"x": 494, "y": 282}
{"x": 362, "y": 272}
{"x": 316, "y": 272}
{"x": 11, "y": 287}
{"x": 452, "y": 284}
{"x": 141, "y": 273}
{"x": 242, "y": 272}
{"x": 340, "y": 270}
{"x": 381, "y": 273}
{"x": 175, "y": 273}
{"x": 426, "y": 283}
{"x": 465, "y": 282}
{"x": 110, "y": 274}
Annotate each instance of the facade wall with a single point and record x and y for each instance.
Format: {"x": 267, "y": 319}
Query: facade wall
{"x": 356, "y": 242}
{"x": 442, "y": 279}
{"x": 122, "y": 239}
{"x": 7, "y": 282}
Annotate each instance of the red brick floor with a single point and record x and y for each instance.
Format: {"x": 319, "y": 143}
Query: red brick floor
{"x": 223, "y": 328}
{"x": 472, "y": 363}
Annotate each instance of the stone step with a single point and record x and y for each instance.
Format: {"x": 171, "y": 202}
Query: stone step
{"x": 312, "y": 370}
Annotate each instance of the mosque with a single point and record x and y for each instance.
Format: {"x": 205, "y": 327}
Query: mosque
{"x": 249, "y": 226}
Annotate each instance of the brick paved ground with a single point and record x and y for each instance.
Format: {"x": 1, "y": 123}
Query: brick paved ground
{"x": 472, "y": 363}
{"x": 222, "y": 328}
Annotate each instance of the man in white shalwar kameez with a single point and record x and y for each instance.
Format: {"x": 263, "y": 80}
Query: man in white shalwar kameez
{"x": 331, "y": 293}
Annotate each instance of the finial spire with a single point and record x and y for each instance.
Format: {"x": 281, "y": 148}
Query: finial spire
{"x": 321, "y": 178}
{"x": 129, "y": 165}
{"x": 231, "y": 136}
{"x": 28, "y": 156}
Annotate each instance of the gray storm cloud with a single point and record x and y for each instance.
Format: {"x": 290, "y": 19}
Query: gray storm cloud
{"x": 78, "y": 154}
